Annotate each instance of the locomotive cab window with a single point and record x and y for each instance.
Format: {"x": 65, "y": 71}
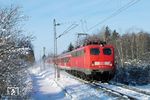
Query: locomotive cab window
{"x": 107, "y": 51}
{"x": 94, "y": 51}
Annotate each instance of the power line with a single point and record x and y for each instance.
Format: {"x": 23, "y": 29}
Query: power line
{"x": 72, "y": 26}
{"x": 117, "y": 12}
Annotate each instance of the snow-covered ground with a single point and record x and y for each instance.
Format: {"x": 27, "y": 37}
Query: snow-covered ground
{"x": 144, "y": 87}
{"x": 46, "y": 87}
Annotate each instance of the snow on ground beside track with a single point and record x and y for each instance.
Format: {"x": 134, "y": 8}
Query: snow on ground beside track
{"x": 144, "y": 87}
{"x": 128, "y": 92}
{"x": 80, "y": 91}
{"x": 46, "y": 87}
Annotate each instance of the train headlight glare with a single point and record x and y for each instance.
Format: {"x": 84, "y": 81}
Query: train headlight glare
{"x": 97, "y": 63}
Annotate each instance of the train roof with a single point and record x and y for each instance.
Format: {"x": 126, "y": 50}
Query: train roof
{"x": 68, "y": 54}
{"x": 92, "y": 45}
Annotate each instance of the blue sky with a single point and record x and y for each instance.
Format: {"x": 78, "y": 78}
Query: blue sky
{"x": 85, "y": 13}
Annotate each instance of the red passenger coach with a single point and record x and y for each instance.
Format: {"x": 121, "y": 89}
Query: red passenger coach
{"x": 93, "y": 61}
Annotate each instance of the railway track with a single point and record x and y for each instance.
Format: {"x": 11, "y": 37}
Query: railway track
{"x": 113, "y": 89}
{"x": 65, "y": 90}
{"x": 130, "y": 87}
{"x": 74, "y": 93}
{"x": 120, "y": 90}
{"x": 124, "y": 91}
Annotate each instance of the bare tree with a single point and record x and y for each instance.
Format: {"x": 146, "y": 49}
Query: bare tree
{"x": 15, "y": 48}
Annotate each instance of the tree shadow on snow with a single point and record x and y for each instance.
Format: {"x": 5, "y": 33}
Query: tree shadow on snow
{"x": 37, "y": 94}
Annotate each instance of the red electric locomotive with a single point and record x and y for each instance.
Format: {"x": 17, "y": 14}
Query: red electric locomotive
{"x": 93, "y": 61}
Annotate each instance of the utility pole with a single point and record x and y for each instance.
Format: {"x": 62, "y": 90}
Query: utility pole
{"x": 57, "y": 70}
{"x": 44, "y": 57}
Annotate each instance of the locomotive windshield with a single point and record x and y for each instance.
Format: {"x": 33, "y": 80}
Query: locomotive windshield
{"x": 94, "y": 51}
{"x": 107, "y": 51}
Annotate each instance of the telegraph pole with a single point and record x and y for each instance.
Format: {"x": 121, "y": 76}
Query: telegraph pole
{"x": 57, "y": 70}
{"x": 54, "y": 22}
{"x": 44, "y": 57}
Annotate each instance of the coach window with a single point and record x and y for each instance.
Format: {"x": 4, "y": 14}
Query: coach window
{"x": 107, "y": 51}
{"x": 73, "y": 54}
{"x": 66, "y": 59}
{"x": 94, "y": 51}
{"x": 78, "y": 53}
{"x": 82, "y": 52}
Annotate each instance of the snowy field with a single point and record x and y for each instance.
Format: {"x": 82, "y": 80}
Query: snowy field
{"x": 46, "y": 87}
{"x": 144, "y": 87}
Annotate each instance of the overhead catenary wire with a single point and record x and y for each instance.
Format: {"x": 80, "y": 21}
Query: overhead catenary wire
{"x": 72, "y": 26}
{"x": 117, "y": 12}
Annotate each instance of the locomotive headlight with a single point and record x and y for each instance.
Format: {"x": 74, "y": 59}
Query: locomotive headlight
{"x": 97, "y": 63}
{"x": 108, "y": 63}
